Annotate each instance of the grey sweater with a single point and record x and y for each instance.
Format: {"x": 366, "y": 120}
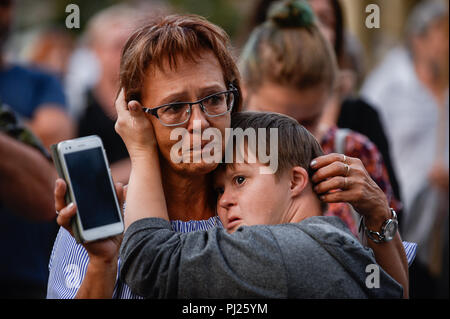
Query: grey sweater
{"x": 316, "y": 258}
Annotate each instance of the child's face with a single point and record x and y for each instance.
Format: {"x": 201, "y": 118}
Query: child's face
{"x": 247, "y": 197}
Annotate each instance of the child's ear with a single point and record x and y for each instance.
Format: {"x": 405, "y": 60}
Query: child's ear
{"x": 299, "y": 180}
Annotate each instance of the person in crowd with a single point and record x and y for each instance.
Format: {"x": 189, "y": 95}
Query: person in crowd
{"x": 26, "y": 209}
{"x": 176, "y": 58}
{"x": 319, "y": 255}
{"x": 106, "y": 34}
{"x": 33, "y": 94}
{"x": 51, "y": 50}
{"x": 410, "y": 90}
{"x": 35, "y": 107}
{"x": 344, "y": 108}
{"x": 289, "y": 67}
{"x": 204, "y": 66}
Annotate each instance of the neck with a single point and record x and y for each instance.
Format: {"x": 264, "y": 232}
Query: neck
{"x": 187, "y": 197}
{"x": 304, "y": 206}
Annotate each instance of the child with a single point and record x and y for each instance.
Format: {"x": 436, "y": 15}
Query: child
{"x": 290, "y": 250}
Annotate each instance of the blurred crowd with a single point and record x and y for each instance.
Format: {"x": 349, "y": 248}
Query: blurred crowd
{"x": 395, "y": 119}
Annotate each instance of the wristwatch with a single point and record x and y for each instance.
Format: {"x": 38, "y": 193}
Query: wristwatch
{"x": 388, "y": 229}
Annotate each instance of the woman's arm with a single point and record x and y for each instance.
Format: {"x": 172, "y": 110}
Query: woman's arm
{"x": 23, "y": 188}
{"x": 101, "y": 273}
{"x": 348, "y": 175}
{"x": 145, "y": 195}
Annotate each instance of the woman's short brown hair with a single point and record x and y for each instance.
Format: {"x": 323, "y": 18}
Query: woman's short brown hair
{"x": 168, "y": 38}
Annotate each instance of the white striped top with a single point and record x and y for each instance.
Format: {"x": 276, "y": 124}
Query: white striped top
{"x": 69, "y": 261}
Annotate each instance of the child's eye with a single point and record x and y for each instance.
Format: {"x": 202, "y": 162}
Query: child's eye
{"x": 239, "y": 180}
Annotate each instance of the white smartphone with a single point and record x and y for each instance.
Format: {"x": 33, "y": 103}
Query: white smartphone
{"x": 83, "y": 164}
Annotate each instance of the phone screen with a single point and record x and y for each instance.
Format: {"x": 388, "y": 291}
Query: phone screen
{"x": 92, "y": 188}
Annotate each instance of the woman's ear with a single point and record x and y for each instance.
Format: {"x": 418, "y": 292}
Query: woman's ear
{"x": 299, "y": 180}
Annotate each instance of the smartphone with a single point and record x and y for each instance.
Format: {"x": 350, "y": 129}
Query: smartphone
{"x": 83, "y": 164}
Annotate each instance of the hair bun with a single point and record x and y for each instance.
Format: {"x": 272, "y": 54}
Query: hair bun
{"x": 291, "y": 14}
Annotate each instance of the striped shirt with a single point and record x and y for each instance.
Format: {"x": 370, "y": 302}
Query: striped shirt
{"x": 410, "y": 250}
{"x": 69, "y": 261}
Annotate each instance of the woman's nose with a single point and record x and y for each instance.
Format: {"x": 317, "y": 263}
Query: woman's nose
{"x": 198, "y": 119}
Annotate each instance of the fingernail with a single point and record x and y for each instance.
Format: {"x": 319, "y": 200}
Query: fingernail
{"x": 70, "y": 205}
{"x": 313, "y": 163}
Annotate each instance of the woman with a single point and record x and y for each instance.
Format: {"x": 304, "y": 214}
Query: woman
{"x": 288, "y": 66}
{"x": 178, "y": 58}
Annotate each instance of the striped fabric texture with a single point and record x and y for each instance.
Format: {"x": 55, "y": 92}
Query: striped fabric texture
{"x": 69, "y": 260}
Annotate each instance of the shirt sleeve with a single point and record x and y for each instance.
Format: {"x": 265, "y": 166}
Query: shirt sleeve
{"x": 160, "y": 263}
{"x": 49, "y": 90}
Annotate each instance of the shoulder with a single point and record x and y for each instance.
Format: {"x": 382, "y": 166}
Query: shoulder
{"x": 360, "y": 146}
{"x": 355, "y": 142}
{"x": 323, "y": 258}
{"x": 329, "y": 230}
{"x": 29, "y": 72}
{"x": 357, "y": 107}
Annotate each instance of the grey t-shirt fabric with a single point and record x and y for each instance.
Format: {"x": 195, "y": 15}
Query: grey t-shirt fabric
{"x": 316, "y": 258}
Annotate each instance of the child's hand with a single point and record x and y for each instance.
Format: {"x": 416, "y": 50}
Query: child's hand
{"x": 134, "y": 127}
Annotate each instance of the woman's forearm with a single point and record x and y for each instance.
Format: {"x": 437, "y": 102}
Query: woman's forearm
{"x": 145, "y": 195}
{"x": 99, "y": 281}
{"x": 390, "y": 255}
{"x": 23, "y": 188}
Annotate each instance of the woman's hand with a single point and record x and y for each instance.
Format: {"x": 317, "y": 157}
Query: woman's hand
{"x": 339, "y": 178}
{"x": 102, "y": 251}
{"x": 135, "y": 129}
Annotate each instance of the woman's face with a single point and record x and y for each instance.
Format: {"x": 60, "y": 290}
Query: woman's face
{"x": 188, "y": 82}
{"x": 324, "y": 10}
{"x": 306, "y": 106}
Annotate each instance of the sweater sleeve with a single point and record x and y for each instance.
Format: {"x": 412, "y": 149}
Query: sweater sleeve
{"x": 160, "y": 263}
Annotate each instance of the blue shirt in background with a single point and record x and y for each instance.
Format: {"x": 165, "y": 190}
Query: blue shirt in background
{"x": 25, "y": 89}
{"x": 26, "y": 245}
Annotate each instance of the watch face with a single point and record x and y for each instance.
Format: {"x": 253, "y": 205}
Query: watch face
{"x": 390, "y": 229}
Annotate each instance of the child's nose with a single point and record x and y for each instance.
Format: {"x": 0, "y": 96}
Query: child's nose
{"x": 227, "y": 200}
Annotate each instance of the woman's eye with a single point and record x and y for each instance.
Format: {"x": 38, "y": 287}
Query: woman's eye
{"x": 174, "y": 108}
{"x": 214, "y": 100}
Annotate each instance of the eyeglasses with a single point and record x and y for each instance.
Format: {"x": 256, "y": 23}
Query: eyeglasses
{"x": 178, "y": 113}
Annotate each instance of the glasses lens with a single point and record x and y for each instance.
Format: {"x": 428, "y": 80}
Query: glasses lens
{"x": 174, "y": 114}
{"x": 218, "y": 104}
